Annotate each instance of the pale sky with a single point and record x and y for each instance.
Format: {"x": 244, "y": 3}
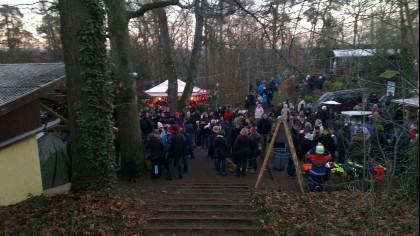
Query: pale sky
{"x": 30, "y": 20}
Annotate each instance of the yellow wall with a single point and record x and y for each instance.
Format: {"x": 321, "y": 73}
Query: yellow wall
{"x": 20, "y": 171}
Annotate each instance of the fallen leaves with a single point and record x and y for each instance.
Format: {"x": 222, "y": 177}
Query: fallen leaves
{"x": 350, "y": 213}
{"x": 98, "y": 213}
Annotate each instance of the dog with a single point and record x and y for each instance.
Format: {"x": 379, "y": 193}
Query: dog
{"x": 132, "y": 170}
{"x": 230, "y": 166}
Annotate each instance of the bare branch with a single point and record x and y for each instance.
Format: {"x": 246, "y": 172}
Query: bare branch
{"x": 150, "y": 6}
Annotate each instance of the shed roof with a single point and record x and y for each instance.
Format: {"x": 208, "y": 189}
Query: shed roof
{"x": 19, "y": 80}
{"x": 23, "y": 83}
{"x": 362, "y": 52}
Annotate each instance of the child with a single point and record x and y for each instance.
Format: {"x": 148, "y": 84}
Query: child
{"x": 318, "y": 159}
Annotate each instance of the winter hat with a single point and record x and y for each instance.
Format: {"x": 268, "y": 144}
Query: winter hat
{"x": 319, "y": 149}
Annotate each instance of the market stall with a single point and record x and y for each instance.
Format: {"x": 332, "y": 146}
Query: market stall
{"x": 159, "y": 93}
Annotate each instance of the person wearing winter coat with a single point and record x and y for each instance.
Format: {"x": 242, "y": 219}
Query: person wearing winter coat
{"x": 329, "y": 141}
{"x": 188, "y": 148}
{"x": 308, "y": 143}
{"x": 221, "y": 152}
{"x": 295, "y": 132}
{"x": 318, "y": 157}
{"x": 343, "y": 142}
{"x": 157, "y": 154}
{"x": 263, "y": 128}
{"x": 259, "y": 111}
{"x": 204, "y": 131}
{"x": 378, "y": 144}
{"x": 242, "y": 151}
{"x": 253, "y": 158}
{"x": 175, "y": 148}
{"x": 235, "y": 133}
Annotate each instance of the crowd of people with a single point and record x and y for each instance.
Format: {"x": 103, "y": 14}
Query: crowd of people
{"x": 225, "y": 133}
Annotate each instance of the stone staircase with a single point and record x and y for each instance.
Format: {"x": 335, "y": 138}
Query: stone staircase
{"x": 207, "y": 208}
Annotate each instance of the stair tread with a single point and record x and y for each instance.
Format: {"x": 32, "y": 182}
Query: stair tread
{"x": 203, "y": 204}
{"x": 210, "y": 210}
{"x": 203, "y": 218}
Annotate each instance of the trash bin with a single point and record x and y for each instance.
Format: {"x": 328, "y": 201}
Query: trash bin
{"x": 279, "y": 158}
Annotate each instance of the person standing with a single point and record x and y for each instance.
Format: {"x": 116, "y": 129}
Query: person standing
{"x": 221, "y": 152}
{"x": 188, "y": 149}
{"x": 343, "y": 141}
{"x": 176, "y": 143}
{"x": 204, "y": 131}
{"x": 301, "y": 104}
{"x": 259, "y": 111}
{"x": 255, "y": 150}
{"x": 318, "y": 159}
{"x": 264, "y": 128}
{"x": 242, "y": 151}
{"x": 146, "y": 126}
{"x": 157, "y": 154}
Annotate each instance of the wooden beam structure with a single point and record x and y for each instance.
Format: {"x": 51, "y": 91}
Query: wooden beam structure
{"x": 292, "y": 150}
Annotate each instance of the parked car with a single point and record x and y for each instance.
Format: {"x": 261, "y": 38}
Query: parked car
{"x": 348, "y": 98}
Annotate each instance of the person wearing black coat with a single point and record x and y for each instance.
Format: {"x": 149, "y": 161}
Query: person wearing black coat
{"x": 228, "y": 128}
{"x": 235, "y": 133}
{"x": 329, "y": 143}
{"x": 146, "y": 126}
{"x": 175, "y": 147}
{"x": 343, "y": 142}
{"x": 157, "y": 154}
{"x": 242, "y": 151}
{"x": 221, "y": 152}
{"x": 188, "y": 148}
{"x": 308, "y": 142}
{"x": 378, "y": 144}
{"x": 264, "y": 128}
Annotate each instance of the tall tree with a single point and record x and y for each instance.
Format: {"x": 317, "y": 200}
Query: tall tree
{"x": 49, "y": 29}
{"x": 168, "y": 61}
{"x": 126, "y": 96}
{"x": 126, "y": 101}
{"x": 12, "y": 32}
{"x": 195, "y": 56}
{"x": 89, "y": 93}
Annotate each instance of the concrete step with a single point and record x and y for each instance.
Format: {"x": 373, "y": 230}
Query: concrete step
{"x": 202, "y": 222}
{"x": 213, "y": 213}
{"x": 202, "y": 207}
{"x": 212, "y": 201}
{"x": 205, "y": 231}
{"x": 207, "y": 208}
{"x": 210, "y": 190}
{"x": 210, "y": 194}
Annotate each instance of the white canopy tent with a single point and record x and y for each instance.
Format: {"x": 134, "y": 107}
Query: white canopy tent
{"x": 413, "y": 102}
{"x": 160, "y": 90}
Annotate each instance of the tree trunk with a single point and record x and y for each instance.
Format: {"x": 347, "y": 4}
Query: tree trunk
{"x": 168, "y": 64}
{"x": 126, "y": 97}
{"x": 195, "y": 58}
{"x": 89, "y": 94}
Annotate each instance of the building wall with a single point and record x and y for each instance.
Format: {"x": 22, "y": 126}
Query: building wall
{"x": 20, "y": 121}
{"x": 20, "y": 171}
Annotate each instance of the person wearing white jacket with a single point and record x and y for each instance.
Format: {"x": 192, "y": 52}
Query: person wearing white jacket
{"x": 259, "y": 111}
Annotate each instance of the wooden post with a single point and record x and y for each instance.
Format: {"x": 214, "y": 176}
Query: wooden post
{"x": 267, "y": 154}
{"x": 294, "y": 156}
{"x": 51, "y": 112}
{"x": 292, "y": 150}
